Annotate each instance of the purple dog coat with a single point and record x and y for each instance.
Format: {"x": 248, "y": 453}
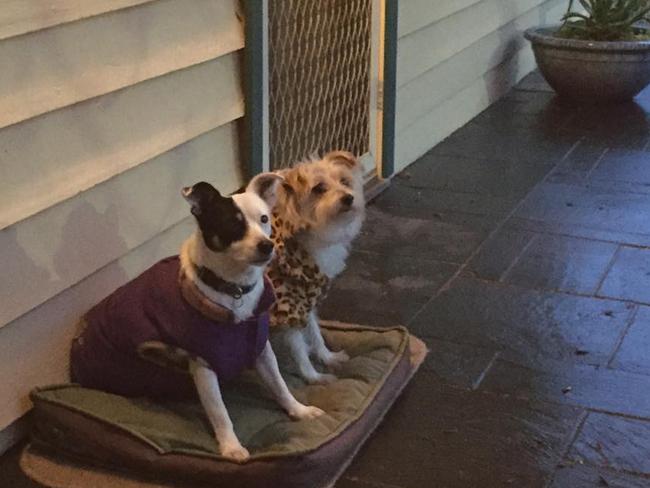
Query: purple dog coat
{"x": 152, "y": 307}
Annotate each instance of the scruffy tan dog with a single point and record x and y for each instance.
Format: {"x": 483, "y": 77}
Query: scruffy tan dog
{"x": 319, "y": 211}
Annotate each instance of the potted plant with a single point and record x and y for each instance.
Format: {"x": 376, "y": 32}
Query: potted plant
{"x": 599, "y": 54}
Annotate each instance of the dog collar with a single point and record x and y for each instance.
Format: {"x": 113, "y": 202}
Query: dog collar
{"x": 219, "y": 284}
{"x": 203, "y": 304}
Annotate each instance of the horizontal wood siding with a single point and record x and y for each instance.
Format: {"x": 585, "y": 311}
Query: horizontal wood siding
{"x": 34, "y": 349}
{"x": 416, "y": 14}
{"x": 58, "y": 247}
{"x": 21, "y": 16}
{"x": 106, "y": 112}
{"x": 429, "y": 46}
{"x": 51, "y": 68}
{"x": 48, "y": 159}
{"x": 469, "y": 68}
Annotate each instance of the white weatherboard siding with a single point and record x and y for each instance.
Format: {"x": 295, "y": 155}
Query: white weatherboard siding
{"x": 416, "y": 14}
{"x": 48, "y": 159}
{"x": 34, "y": 349}
{"x": 22, "y": 16}
{"x": 107, "y": 109}
{"x": 121, "y": 49}
{"x": 98, "y": 226}
{"x": 454, "y": 67}
{"x": 423, "y": 49}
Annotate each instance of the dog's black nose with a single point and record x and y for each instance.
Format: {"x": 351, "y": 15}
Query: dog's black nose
{"x": 265, "y": 247}
{"x": 347, "y": 200}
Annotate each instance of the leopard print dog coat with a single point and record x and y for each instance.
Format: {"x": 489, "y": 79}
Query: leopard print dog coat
{"x": 297, "y": 281}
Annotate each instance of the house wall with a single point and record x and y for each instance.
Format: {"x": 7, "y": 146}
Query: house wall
{"x": 455, "y": 57}
{"x": 107, "y": 108}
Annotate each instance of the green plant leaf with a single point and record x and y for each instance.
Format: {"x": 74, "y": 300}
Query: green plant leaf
{"x": 576, "y": 15}
{"x": 605, "y": 20}
{"x": 586, "y": 4}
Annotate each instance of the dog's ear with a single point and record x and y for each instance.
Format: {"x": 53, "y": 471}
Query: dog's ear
{"x": 288, "y": 189}
{"x": 295, "y": 181}
{"x": 285, "y": 173}
{"x": 344, "y": 158}
{"x": 200, "y": 195}
{"x": 266, "y": 186}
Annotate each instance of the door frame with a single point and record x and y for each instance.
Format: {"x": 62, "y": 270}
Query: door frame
{"x": 255, "y": 143}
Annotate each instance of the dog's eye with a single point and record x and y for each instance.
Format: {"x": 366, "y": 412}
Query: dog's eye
{"x": 346, "y": 182}
{"x": 264, "y": 219}
{"x": 319, "y": 189}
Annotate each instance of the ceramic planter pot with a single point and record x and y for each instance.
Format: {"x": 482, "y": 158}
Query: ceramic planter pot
{"x": 598, "y": 72}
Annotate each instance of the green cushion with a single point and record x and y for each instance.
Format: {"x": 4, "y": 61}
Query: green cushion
{"x": 260, "y": 424}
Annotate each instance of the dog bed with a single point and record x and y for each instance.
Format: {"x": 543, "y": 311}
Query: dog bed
{"x": 84, "y": 437}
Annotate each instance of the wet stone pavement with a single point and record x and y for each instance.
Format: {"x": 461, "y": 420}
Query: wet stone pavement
{"x": 519, "y": 250}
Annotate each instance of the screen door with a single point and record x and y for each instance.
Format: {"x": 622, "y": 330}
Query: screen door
{"x": 324, "y": 79}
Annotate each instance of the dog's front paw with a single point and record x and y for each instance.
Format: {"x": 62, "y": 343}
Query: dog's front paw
{"x": 234, "y": 451}
{"x": 303, "y": 412}
{"x": 335, "y": 360}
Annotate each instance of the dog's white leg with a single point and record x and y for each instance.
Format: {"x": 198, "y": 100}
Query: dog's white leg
{"x": 267, "y": 367}
{"x": 300, "y": 353}
{"x": 207, "y": 386}
{"x": 318, "y": 347}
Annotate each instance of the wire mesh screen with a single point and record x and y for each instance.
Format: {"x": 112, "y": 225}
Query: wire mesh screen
{"x": 319, "y": 62}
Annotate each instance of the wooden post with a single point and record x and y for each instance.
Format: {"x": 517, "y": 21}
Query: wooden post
{"x": 390, "y": 88}
{"x": 256, "y": 87}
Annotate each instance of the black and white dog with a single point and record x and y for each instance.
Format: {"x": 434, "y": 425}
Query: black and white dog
{"x": 204, "y": 312}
